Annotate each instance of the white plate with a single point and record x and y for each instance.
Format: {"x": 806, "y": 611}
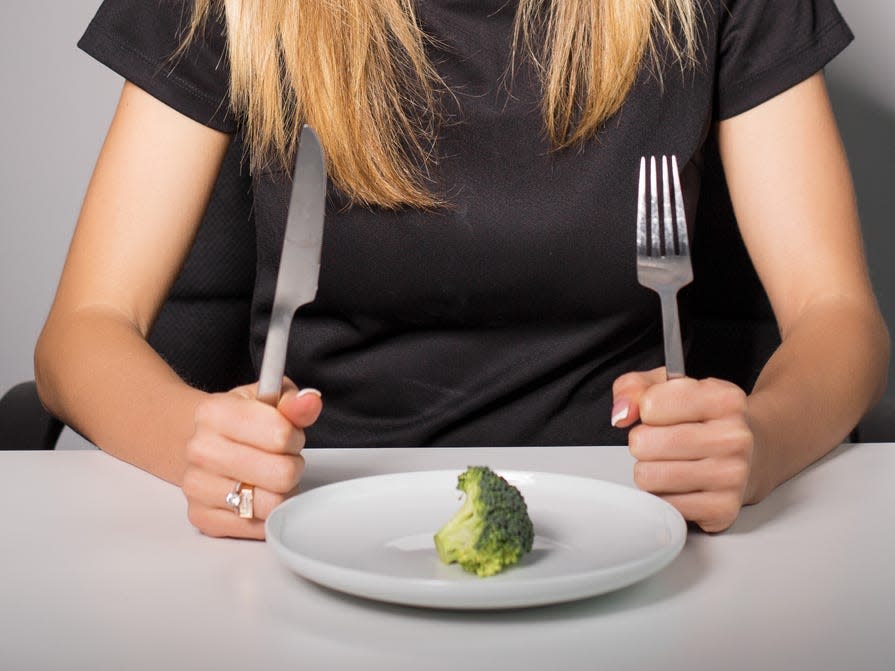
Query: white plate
{"x": 372, "y": 537}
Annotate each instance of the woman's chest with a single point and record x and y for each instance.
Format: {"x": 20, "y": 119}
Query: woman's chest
{"x": 529, "y": 233}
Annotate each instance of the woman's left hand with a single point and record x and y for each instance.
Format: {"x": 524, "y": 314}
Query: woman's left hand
{"x": 694, "y": 446}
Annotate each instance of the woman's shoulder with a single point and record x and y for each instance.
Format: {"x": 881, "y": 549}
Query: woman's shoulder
{"x": 760, "y": 48}
{"x": 146, "y": 43}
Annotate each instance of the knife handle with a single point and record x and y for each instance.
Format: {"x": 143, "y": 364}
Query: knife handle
{"x": 273, "y": 362}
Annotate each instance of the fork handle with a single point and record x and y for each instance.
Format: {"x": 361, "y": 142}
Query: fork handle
{"x": 671, "y": 331}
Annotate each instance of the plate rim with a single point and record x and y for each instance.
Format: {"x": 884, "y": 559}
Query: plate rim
{"x": 483, "y": 595}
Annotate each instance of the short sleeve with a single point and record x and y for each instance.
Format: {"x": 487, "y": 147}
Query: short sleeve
{"x": 766, "y": 47}
{"x": 139, "y": 40}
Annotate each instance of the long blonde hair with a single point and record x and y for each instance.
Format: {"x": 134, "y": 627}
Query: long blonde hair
{"x": 357, "y": 71}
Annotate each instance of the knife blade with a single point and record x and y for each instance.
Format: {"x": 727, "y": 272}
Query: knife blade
{"x": 299, "y": 260}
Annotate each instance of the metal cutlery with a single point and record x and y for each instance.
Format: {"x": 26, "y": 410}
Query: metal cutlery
{"x": 299, "y": 261}
{"x": 663, "y": 251}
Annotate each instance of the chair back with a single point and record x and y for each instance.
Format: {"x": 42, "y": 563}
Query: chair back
{"x": 202, "y": 330}
{"x": 731, "y": 327}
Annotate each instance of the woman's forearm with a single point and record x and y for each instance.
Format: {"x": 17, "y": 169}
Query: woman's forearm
{"x": 95, "y": 371}
{"x": 830, "y": 369}
{"x": 146, "y": 199}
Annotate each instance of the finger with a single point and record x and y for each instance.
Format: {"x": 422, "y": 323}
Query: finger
{"x": 683, "y": 477}
{"x": 693, "y": 440}
{"x": 279, "y": 473}
{"x": 224, "y": 523}
{"x": 247, "y": 421}
{"x": 712, "y": 511}
{"x": 246, "y": 391}
{"x": 301, "y": 407}
{"x": 626, "y": 392}
{"x": 287, "y": 385}
{"x": 688, "y": 400}
{"x": 210, "y": 490}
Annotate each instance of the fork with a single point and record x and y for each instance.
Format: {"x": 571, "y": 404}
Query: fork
{"x": 663, "y": 252}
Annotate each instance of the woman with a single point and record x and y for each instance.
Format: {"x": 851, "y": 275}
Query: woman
{"x": 477, "y": 281}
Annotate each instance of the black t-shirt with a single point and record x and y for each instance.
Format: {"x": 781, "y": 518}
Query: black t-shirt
{"x": 504, "y": 319}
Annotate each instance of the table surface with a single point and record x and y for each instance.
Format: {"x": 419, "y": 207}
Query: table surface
{"x": 101, "y": 570}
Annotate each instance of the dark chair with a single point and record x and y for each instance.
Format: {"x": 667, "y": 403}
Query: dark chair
{"x": 203, "y": 329}
{"x": 731, "y": 325}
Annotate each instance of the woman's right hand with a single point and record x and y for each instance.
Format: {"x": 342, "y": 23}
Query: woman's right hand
{"x": 240, "y": 439}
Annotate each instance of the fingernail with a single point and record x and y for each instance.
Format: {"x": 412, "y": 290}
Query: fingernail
{"x": 309, "y": 390}
{"x": 619, "y": 411}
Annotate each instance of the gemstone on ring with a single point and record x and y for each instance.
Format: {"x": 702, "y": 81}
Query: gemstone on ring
{"x": 234, "y": 499}
{"x": 242, "y": 498}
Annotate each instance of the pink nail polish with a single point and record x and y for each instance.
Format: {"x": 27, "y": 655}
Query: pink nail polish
{"x": 619, "y": 411}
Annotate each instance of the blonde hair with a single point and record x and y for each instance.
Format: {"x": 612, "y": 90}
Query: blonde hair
{"x": 357, "y": 71}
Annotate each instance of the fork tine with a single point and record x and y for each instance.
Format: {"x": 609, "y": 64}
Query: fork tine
{"x": 665, "y": 273}
{"x": 666, "y": 210}
{"x": 654, "y": 210}
{"x": 641, "y": 209}
{"x": 682, "y": 237}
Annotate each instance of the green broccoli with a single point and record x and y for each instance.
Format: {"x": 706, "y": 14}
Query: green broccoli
{"x": 492, "y": 530}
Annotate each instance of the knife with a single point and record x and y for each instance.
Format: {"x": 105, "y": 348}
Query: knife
{"x": 299, "y": 260}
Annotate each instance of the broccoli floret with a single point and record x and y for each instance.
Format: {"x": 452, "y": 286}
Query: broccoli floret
{"x": 492, "y": 530}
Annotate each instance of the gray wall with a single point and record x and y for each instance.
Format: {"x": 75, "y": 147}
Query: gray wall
{"x": 862, "y": 85}
{"x": 57, "y": 104}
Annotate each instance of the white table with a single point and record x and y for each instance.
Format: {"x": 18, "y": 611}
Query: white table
{"x": 101, "y": 570}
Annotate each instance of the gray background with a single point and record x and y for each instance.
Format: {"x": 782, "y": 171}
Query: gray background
{"x": 57, "y": 103}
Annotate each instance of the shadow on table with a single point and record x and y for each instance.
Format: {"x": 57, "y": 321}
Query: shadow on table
{"x": 782, "y": 500}
{"x": 446, "y": 632}
{"x": 614, "y": 616}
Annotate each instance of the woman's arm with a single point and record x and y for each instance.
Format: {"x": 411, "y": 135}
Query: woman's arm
{"x": 94, "y": 368}
{"x": 144, "y": 204}
{"x": 793, "y": 197}
{"x": 703, "y": 445}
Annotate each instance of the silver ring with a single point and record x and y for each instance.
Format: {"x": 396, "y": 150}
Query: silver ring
{"x": 242, "y": 499}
